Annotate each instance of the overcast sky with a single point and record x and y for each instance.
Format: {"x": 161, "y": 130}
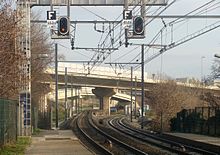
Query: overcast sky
{"x": 185, "y": 60}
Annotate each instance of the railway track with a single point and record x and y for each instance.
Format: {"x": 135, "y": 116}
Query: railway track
{"x": 131, "y": 142}
{"x": 125, "y": 139}
{"x": 88, "y": 139}
{"x": 200, "y": 147}
{"x": 97, "y": 138}
{"x": 166, "y": 143}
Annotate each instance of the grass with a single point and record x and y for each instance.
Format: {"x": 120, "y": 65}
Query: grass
{"x": 16, "y": 149}
{"x": 36, "y": 131}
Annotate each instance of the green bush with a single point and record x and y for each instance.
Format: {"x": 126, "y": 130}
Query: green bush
{"x": 16, "y": 149}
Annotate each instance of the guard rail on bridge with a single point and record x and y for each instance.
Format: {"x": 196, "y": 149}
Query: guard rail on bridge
{"x": 109, "y": 77}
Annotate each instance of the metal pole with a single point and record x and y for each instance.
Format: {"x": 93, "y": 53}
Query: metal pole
{"x": 142, "y": 70}
{"x": 131, "y": 91}
{"x": 51, "y": 115}
{"x": 51, "y": 9}
{"x": 202, "y": 69}
{"x": 143, "y": 10}
{"x": 81, "y": 104}
{"x": 161, "y": 122}
{"x": 76, "y": 100}
{"x": 51, "y": 5}
{"x": 51, "y": 106}
{"x": 126, "y": 30}
{"x": 65, "y": 93}
{"x": 71, "y": 95}
{"x": 135, "y": 105}
{"x": 79, "y": 100}
{"x": 208, "y": 119}
{"x": 215, "y": 126}
{"x": 56, "y": 77}
{"x": 202, "y": 80}
{"x": 68, "y": 9}
{"x": 142, "y": 85}
{"x": 19, "y": 120}
{"x": 87, "y": 22}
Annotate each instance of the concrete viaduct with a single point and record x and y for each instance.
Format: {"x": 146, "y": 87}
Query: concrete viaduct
{"x": 106, "y": 86}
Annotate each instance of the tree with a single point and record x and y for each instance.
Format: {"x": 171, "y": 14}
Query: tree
{"x": 166, "y": 99}
{"x": 12, "y": 74}
{"x": 209, "y": 97}
{"x": 215, "y": 70}
{"x": 41, "y": 58}
{"x": 10, "y": 57}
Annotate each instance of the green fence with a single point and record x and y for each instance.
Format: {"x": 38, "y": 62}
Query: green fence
{"x": 201, "y": 120}
{"x": 8, "y": 121}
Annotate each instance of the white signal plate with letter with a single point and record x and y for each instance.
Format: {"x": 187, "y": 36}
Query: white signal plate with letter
{"x": 52, "y": 24}
{"x": 126, "y": 23}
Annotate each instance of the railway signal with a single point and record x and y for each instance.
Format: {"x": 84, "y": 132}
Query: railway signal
{"x": 138, "y": 26}
{"x": 63, "y": 26}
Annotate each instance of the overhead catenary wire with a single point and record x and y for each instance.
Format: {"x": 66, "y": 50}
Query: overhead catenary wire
{"x": 92, "y": 12}
{"x": 103, "y": 43}
{"x": 192, "y": 11}
{"x": 126, "y": 53}
{"x": 118, "y": 37}
{"x": 182, "y": 24}
{"x": 114, "y": 27}
{"x": 120, "y": 45}
{"x": 149, "y": 48}
{"x": 75, "y": 50}
{"x": 171, "y": 25}
{"x": 159, "y": 12}
{"x": 183, "y": 40}
{"x": 171, "y": 22}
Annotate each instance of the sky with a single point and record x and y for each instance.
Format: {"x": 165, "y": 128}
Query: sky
{"x": 192, "y": 59}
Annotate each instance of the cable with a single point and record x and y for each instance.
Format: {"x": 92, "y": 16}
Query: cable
{"x": 186, "y": 15}
{"x": 192, "y": 11}
{"x": 126, "y": 53}
{"x": 121, "y": 15}
{"x": 114, "y": 27}
{"x": 75, "y": 51}
{"x": 196, "y": 10}
{"x": 159, "y": 14}
{"x": 94, "y": 13}
{"x": 145, "y": 25}
{"x": 200, "y": 12}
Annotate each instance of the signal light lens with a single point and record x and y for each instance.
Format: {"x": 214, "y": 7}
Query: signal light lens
{"x": 63, "y": 24}
{"x": 138, "y": 26}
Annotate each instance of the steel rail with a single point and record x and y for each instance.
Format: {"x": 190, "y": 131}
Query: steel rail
{"x": 166, "y": 140}
{"x": 115, "y": 140}
{"x": 91, "y": 141}
{"x": 152, "y": 142}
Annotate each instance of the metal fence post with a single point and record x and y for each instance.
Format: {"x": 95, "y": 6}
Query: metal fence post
{"x": 131, "y": 92}
{"x": 208, "y": 121}
{"x": 202, "y": 120}
{"x": 16, "y": 120}
{"x": 215, "y": 121}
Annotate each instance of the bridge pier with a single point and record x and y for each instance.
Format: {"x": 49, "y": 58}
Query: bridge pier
{"x": 104, "y": 95}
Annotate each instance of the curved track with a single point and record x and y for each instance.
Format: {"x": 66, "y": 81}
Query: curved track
{"x": 157, "y": 140}
{"x": 85, "y": 121}
{"x": 80, "y": 126}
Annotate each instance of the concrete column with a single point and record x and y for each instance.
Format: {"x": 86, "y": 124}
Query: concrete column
{"x": 101, "y": 103}
{"x": 104, "y": 95}
{"x": 106, "y": 105}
